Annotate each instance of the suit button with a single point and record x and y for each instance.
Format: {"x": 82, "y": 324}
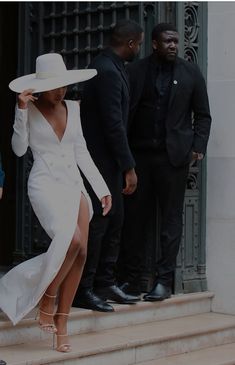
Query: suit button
{"x": 69, "y": 166}
{"x": 51, "y": 163}
{"x": 63, "y": 155}
{"x": 57, "y": 179}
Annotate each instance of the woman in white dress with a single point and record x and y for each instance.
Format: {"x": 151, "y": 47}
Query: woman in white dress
{"x": 51, "y": 127}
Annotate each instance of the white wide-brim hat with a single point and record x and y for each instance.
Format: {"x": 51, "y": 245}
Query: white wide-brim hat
{"x": 51, "y": 73}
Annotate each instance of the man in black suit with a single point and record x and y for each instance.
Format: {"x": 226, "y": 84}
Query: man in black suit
{"x": 104, "y": 116}
{"x": 169, "y": 127}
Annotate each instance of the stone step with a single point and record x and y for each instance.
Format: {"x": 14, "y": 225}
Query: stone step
{"x": 84, "y": 321}
{"x": 130, "y": 345}
{"x": 216, "y": 355}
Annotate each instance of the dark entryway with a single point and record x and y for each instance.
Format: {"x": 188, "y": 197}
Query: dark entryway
{"x": 8, "y": 67}
{"x": 78, "y": 30}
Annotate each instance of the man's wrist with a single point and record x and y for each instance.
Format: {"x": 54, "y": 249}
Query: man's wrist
{"x": 198, "y": 155}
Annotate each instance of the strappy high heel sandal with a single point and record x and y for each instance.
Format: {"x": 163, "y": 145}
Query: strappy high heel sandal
{"x": 64, "y": 347}
{"x": 46, "y": 327}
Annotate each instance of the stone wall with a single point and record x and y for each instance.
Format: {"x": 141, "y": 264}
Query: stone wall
{"x": 221, "y": 156}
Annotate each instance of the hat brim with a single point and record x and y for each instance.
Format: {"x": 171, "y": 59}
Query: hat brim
{"x": 39, "y": 85}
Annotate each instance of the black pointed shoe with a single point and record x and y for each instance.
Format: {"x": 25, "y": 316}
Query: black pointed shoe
{"x": 159, "y": 292}
{"x": 114, "y": 293}
{"x": 130, "y": 289}
{"x": 89, "y": 300}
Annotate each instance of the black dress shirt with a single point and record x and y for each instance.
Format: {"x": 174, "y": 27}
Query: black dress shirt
{"x": 148, "y": 130}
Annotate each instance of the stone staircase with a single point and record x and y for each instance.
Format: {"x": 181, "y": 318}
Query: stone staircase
{"x": 181, "y": 330}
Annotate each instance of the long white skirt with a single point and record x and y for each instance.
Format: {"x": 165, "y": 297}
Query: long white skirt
{"x": 56, "y": 206}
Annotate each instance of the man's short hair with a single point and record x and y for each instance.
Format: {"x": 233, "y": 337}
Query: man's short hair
{"x": 162, "y": 27}
{"x": 123, "y": 31}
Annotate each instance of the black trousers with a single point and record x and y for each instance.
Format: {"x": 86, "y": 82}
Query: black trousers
{"x": 157, "y": 179}
{"x": 103, "y": 248}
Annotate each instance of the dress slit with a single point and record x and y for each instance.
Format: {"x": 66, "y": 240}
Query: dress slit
{"x": 36, "y": 273}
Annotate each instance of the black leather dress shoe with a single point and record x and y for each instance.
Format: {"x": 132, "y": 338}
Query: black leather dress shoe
{"x": 159, "y": 292}
{"x": 130, "y": 289}
{"x": 89, "y": 300}
{"x": 114, "y": 293}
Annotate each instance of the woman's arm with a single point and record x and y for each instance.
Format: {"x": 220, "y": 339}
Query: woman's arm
{"x": 20, "y": 138}
{"x": 89, "y": 169}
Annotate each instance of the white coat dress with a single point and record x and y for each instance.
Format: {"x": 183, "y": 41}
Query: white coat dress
{"x": 54, "y": 189}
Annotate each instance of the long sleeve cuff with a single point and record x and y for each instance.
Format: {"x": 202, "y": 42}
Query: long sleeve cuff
{"x": 21, "y": 132}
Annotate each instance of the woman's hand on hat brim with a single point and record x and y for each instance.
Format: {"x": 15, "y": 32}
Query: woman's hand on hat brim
{"x": 25, "y": 97}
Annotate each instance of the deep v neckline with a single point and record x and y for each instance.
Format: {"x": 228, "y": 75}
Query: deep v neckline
{"x": 60, "y": 140}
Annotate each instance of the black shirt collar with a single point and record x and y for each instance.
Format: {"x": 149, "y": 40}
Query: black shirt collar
{"x": 163, "y": 66}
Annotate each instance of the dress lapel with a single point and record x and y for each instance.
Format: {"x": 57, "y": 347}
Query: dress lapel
{"x": 49, "y": 126}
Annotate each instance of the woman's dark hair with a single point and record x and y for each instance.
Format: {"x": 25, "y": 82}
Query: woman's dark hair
{"x": 160, "y": 28}
{"x": 123, "y": 31}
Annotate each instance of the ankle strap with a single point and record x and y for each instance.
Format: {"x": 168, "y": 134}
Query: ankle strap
{"x": 66, "y": 334}
{"x": 61, "y": 314}
{"x": 49, "y": 296}
{"x": 48, "y": 314}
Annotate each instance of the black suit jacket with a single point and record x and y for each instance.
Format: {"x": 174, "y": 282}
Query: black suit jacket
{"x": 104, "y": 117}
{"x": 188, "y": 118}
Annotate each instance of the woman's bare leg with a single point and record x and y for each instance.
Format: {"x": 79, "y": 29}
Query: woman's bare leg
{"x": 70, "y": 283}
{"x": 47, "y": 304}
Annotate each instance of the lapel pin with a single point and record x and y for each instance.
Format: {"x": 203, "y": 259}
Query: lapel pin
{"x": 175, "y": 82}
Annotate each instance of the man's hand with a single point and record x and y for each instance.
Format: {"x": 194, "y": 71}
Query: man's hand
{"x": 1, "y": 191}
{"x": 106, "y": 202}
{"x": 197, "y": 156}
{"x": 25, "y": 97}
{"x": 131, "y": 182}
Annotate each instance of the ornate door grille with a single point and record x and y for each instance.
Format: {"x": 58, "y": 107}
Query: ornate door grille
{"x": 77, "y": 30}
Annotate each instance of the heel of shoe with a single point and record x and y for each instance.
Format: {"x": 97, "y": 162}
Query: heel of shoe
{"x": 64, "y": 347}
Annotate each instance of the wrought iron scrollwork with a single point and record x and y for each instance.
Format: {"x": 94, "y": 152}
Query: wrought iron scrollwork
{"x": 191, "y": 45}
{"x": 191, "y": 32}
{"x": 149, "y": 7}
{"x": 190, "y": 273}
{"x": 192, "y": 181}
